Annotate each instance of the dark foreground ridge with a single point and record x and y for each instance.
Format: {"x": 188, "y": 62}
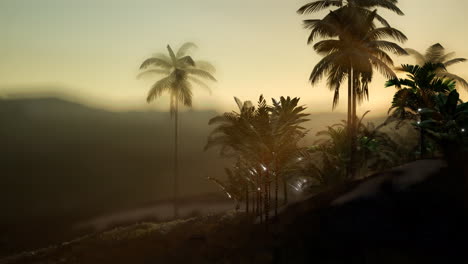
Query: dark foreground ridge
{"x": 412, "y": 214}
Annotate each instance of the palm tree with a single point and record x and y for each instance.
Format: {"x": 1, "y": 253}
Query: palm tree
{"x": 354, "y": 48}
{"x": 287, "y": 118}
{"x": 263, "y": 137}
{"x": 419, "y": 90}
{"x": 363, "y": 7}
{"x": 179, "y": 71}
{"x": 353, "y": 11}
{"x": 440, "y": 59}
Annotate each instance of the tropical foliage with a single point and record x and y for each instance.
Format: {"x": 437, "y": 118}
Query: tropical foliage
{"x": 418, "y": 90}
{"x": 264, "y": 140}
{"x": 423, "y": 81}
{"x": 422, "y": 88}
{"x": 326, "y": 162}
{"x": 447, "y": 123}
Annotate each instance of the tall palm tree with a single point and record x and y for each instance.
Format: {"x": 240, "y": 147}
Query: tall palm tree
{"x": 353, "y": 49}
{"x": 362, "y": 6}
{"x": 327, "y": 28}
{"x": 179, "y": 71}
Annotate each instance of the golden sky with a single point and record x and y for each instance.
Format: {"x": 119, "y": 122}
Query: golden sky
{"x": 91, "y": 49}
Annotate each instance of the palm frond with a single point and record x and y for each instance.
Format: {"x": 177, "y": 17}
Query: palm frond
{"x": 390, "y": 5}
{"x": 239, "y": 103}
{"x": 186, "y": 61}
{"x": 434, "y": 53}
{"x": 383, "y": 68}
{"x": 318, "y": 5}
{"x": 420, "y": 59}
{"x": 321, "y": 28}
{"x": 459, "y": 80}
{"x": 454, "y": 61}
{"x": 386, "y": 32}
{"x": 325, "y": 65}
{"x": 200, "y": 73}
{"x": 159, "y": 87}
{"x": 152, "y": 72}
{"x": 156, "y": 62}
{"x": 206, "y": 66}
{"x": 172, "y": 55}
{"x": 185, "y": 48}
{"x": 184, "y": 93}
{"x": 389, "y": 46}
{"x": 447, "y": 56}
{"x": 200, "y": 83}
{"x": 328, "y": 46}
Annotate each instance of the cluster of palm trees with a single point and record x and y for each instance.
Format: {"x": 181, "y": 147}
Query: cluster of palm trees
{"x": 427, "y": 97}
{"x": 263, "y": 139}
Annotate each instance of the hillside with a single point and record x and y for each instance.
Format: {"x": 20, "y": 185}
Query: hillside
{"x": 411, "y": 214}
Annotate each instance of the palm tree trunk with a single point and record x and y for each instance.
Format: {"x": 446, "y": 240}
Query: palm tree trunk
{"x": 267, "y": 197}
{"x": 353, "y": 128}
{"x": 285, "y": 192}
{"x": 260, "y": 195}
{"x": 350, "y": 121}
{"x": 422, "y": 143}
{"x": 176, "y": 160}
{"x": 247, "y": 198}
{"x": 276, "y": 193}
{"x": 349, "y": 100}
{"x": 257, "y": 194}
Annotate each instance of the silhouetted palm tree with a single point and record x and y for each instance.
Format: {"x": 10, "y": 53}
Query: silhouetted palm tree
{"x": 354, "y": 48}
{"x": 440, "y": 60}
{"x": 287, "y": 119}
{"x": 353, "y": 11}
{"x": 417, "y": 91}
{"x": 363, "y": 7}
{"x": 179, "y": 71}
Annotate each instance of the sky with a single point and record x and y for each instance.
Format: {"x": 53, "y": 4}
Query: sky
{"x": 91, "y": 50}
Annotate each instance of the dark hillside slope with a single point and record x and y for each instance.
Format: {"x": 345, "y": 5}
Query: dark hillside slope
{"x": 412, "y": 214}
